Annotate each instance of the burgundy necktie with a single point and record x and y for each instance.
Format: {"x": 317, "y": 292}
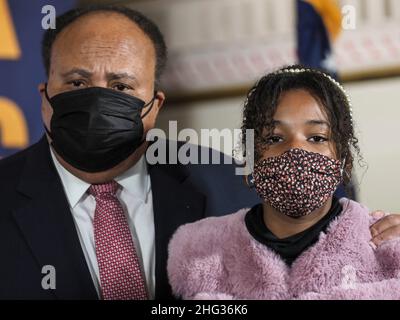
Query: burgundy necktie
{"x": 120, "y": 274}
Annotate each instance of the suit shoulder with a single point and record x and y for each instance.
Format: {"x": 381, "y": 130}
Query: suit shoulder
{"x": 11, "y": 169}
{"x": 12, "y": 165}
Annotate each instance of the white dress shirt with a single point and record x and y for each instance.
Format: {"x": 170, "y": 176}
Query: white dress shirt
{"x": 137, "y": 201}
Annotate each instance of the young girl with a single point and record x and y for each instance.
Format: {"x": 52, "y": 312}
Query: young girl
{"x": 301, "y": 242}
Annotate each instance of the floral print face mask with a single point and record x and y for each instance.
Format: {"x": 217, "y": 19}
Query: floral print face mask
{"x": 297, "y": 182}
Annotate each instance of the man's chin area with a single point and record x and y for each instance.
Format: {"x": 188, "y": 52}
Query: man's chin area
{"x": 106, "y": 175}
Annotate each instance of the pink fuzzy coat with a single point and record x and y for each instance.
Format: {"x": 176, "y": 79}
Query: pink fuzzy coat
{"x": 216, "y": 258}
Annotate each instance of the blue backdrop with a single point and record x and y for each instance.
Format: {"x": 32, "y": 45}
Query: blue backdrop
{"x": 19, "y": 77}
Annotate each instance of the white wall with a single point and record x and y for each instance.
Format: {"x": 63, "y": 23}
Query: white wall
{"x": 220, "y": 44}
{"x": 377, "y": 117}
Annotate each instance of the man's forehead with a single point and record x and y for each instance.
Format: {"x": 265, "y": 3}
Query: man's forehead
{"x": 108, "y": 32}
{"x": 108, "y": 19}
{"x": 102, "y": 28}
{"x": 94, "y": 58}
{"x": 89, "y": 45}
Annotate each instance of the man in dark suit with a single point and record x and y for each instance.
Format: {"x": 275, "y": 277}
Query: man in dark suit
{"x": 37, "y": 228}
{"x": 83, "y": 215}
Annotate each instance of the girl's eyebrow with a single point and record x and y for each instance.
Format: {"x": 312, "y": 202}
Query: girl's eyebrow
{"x": 317, "y": 123}
{"x": 313, "y": 122}
{"x": 277, "y": 122}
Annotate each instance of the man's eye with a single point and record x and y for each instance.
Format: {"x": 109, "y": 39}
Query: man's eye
{"x": 274, "y": 139}
{"x": 76, "y": 83}
{"x": 317, "y": 139}
{"x": 121, "y": 87}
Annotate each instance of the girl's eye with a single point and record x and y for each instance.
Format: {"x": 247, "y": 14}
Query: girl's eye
{"x": 274, "y": 139}
{"x": 121, "y": 87}
{"x": 317, "y": 139}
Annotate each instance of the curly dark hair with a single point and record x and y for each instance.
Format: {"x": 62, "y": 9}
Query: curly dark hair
{"x": 263, "y": 98}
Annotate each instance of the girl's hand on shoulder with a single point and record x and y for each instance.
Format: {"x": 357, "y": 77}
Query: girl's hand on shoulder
{"x": 386, "y": 228}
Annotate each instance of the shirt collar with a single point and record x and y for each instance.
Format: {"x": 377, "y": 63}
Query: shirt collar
{"x": 74, "y": 187}
{"x": 135, "y": 181}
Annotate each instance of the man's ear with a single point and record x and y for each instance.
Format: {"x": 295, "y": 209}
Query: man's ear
{"x": 41, "y": 87}
{"x": 46, "y": 109}
{"x": 160, "y": 98}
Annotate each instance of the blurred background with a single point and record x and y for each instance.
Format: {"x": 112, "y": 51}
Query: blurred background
{"x": 218, "y": 48}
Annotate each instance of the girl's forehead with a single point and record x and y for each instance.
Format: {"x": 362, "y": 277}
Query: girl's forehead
{"x": 299, "y": 105}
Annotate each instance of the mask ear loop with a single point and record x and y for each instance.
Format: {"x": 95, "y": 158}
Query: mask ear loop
{"x": 342, "y": 167}
{"x": 151, "y": 104}
{"x": 45, "y": 92}
{"x": 343, "y": 164}
{"x": 249, "y": 180}
{"x": 48, "y": 99}
{"x": 344, "y": 157}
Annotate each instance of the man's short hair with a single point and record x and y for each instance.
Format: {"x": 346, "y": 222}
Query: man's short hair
{"x": 144, "y": 23}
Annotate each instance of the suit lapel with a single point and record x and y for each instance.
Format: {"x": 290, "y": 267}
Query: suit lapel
{"x": 47, "y": 225}
{"x": 175, "y": 203}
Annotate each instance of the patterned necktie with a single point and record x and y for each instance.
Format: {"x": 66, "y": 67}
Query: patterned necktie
{"x": 120, "y": 274}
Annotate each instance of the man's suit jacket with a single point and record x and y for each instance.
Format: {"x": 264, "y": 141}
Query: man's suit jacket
{"x": 37, "y": 227}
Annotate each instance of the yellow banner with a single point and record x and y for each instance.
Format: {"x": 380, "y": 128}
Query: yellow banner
{"x": 9, "y": 47}
{"x": 13, "y": 127}
{"x": 329, "y": 10}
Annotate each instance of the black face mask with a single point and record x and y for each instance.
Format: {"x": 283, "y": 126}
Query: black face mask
{"x": 95, "y": 129}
